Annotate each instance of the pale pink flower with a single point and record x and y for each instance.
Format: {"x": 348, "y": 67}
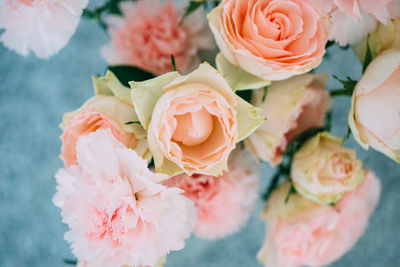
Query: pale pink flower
{"x": 223, "y": 203}
{"x": 305, "y": 233}
{"x": 118, "y": 211}
{"x": 352, "y": 20}
{"x": 374, "y": 116}
{"x": 41, "y": 26}
{"x": 148, "y": 32}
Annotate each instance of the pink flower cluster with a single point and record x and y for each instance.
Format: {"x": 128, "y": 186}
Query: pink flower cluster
{"x": 191, "y": 123}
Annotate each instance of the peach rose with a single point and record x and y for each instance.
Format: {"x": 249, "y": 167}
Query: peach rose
{"x": 192, "y": 121}
{"x": 290, "y": 106}
{"x": 302, "y": 232}
{"x": 374, "y": 116}
{"x": 273, "y": 40}
{"x": 323, "y": 170}
{"x": 41, "y": 26}
{"x": 100, "y": 112}
{"x": 149, "y": 31}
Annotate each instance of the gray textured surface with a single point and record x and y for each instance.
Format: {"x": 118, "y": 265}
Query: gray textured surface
{"x": 33, "y": 96}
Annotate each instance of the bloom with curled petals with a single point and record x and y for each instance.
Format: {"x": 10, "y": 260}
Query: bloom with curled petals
{"x": 192, "y": 121}
{"x": 51, "y": 24}
{"x": 270, "y": 39}
{"x": 117, "y": 210}
{"x": 291, "y": 107}
{"x": 223, "y": 203}
{"x": 352, "y": 20}
{"x": 302, "y": 232}
{"x": 148, "y": 32}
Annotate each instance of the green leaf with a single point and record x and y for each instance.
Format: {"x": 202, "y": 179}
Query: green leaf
{"x": 173, "y": 62}
{"x": 329, "y": 44}
{"x": 348, "y": 87}
{"x": 292, "y": 190}
{"x": 113, "y": 7}
{"x": 132, "y": 122}
{"x": 245, "y": 94}
{"x": 125, "y": 74}
{"x": 265, "y": 93}
{"x": 193, "y": 6}
{"x": 368, "y": 56}
{"x": 347, "y": 135}
{"x": 70, "y": 262}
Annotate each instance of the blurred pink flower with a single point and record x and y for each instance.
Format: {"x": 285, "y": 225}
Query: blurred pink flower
{"x": 39, "y": 25}
{"x": 116, "y": 208}
{"x": 316, "y": 235}
{"x": 352, "y": 20}
{"x": 149, "y": 32}
{"x": 223, "y": 203}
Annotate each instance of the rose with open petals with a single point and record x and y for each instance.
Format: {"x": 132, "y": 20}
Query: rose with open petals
{"x": 304, "y": 233}
{"x": 117, "y": 210}
{"x": 102, "y": 112}
{"x": 291, "y": 107}
{"x": 323, "y": 170}
{"x": 192, "y": 121}
{"x": 223, "y": 203}
{"x": 269, "y": 39}
{"x": 148, "y": 32}
{"x": 374, "y": 116}
{"x": 41, "y": 26}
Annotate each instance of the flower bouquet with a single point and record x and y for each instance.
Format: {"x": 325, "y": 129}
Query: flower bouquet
{"x": 171, "y": 144}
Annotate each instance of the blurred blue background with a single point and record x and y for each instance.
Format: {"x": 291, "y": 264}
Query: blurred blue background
{"x": 35, "y": 93}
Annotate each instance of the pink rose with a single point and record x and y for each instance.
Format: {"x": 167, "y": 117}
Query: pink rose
{"x": 39, "y": 25}
{"x": 352, "y": 20}
{"x": 117, "y": 210}
{"x": 99, "y": 112}
{"x": 374, "y": 116}
{"x": 149, "y": 32}
{"x": 304, "y": 233}
{"x": 290, "y": 106}
{"x": 193, "y": 122}
{"x": 223, "y": 203}
{"x": 273, "y": 40}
